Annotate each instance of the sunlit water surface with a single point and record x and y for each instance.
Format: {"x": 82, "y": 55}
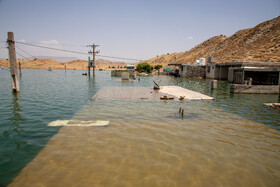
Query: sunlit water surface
{"x": 233, "y": 140}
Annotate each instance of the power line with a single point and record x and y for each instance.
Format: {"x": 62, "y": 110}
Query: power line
{"x": 119, "y": 58}
{"x": 22, "y": 56}
{"x": 25, "y": 52}
{"x": 54, "y": 44}
{"x": 77, "y": 52}
{"x": 51, "y": 48}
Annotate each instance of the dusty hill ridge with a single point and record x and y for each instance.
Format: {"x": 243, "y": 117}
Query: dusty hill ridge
{"x": 76, "y": 64}
{"x": 260, "y": 44}
{"x": 104, "y": 62}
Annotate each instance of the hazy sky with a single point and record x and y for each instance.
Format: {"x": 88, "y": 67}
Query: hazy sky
{"x": 138, "y": 29}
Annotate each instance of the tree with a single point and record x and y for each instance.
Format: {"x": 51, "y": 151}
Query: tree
{"x": 144, "y": 67}
{"x": 109, "y": 67}
{"x": 157, "y": 67}
{"x": 113, "y": 67}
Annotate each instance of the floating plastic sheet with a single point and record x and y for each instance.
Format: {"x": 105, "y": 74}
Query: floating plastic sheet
{"x": 75, "y": 123}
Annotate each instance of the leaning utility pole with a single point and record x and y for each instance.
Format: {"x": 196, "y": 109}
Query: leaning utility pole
{"x": 13, "y": 62}
{"x": 93, "y": 52}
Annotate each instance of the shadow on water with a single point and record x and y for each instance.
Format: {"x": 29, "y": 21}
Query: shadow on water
{"x": 24, "y": 117}
{"x": 17, "y": 148}
{"x": 10, "y": 134}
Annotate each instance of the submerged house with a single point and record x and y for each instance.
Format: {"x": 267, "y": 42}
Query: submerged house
{"x": 197, "y": 70}
{"x": 190, "y": 70}
{"x": 259, "y": 73}
{"x": 247, "y": 77}
{"x": 129, "y": 68}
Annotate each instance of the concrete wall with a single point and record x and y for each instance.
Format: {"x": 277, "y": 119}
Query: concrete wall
{"x": 212, "y": 72}
{"x": 183, "y": 70}
{"x": 257, "y": 89}
{"x": 118, "y": 72}
{"x": 192, "y": 71}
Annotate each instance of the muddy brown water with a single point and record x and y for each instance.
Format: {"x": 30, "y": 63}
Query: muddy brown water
{"x": 146, "y": 145}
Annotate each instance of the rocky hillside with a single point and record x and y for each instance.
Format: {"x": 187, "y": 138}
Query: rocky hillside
{"x": 258, "y": 44}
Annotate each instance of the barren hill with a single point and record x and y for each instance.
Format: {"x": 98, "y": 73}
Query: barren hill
{"x": 76, "y": 64}
{"x": 258, "y": 44}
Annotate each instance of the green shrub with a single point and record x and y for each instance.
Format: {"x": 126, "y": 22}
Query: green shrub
{"x": 144, "y": 67}
{"x": 157, "y": 67}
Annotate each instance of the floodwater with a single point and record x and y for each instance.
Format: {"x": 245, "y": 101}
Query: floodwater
{"x": 233, "y": 140}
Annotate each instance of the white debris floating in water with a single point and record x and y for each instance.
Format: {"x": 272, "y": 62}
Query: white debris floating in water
{"x": 74, "y": 123}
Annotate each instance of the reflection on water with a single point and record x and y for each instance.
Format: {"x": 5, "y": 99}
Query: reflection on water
{"x": 16, "y": 119}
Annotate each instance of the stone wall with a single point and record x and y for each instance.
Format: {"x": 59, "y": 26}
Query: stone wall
{"x": 193, "y": 71}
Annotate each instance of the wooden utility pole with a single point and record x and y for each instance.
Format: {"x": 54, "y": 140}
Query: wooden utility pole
{"x": 13, "y": 62}
{"x": 88, "y": 66}
{"x": 19, "y": 67}
{"x": 93, "y": 52}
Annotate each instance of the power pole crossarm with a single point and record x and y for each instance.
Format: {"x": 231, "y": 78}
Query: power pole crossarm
{"x": 93, "y": 52}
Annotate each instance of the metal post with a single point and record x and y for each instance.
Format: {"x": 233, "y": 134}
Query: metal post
{"x": 243, "y": 76}
{"x": 279, "y": 79}
{"x": 13, "y": 62}
{"x": 279, "y": 83}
